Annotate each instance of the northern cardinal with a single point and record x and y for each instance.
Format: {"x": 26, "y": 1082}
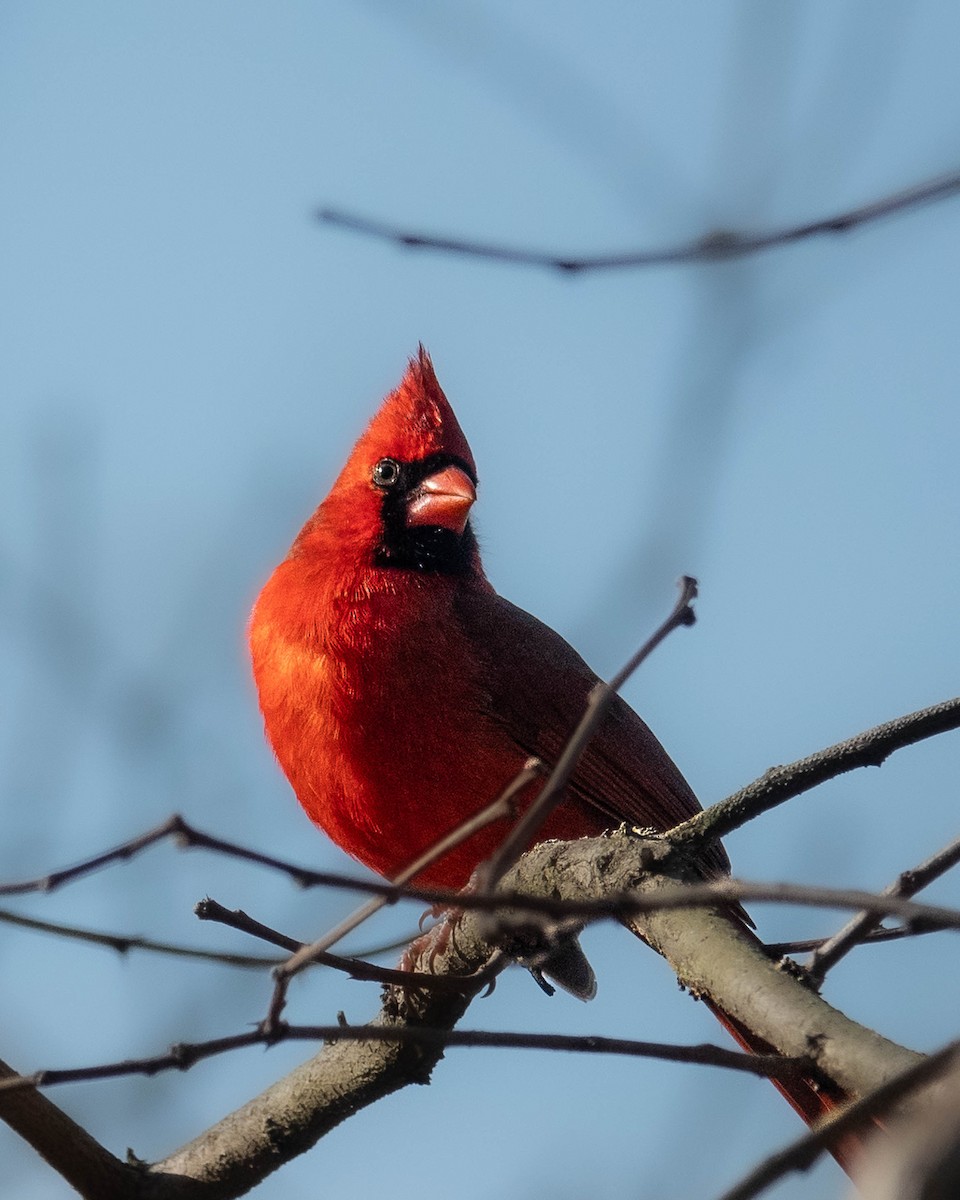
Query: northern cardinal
{"x": 401, "y": 694}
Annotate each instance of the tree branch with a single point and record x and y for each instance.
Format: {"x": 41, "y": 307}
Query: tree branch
{"x": 64, "y": 1144}
{"x": 183, "y": 1055}
{"x": 123, "y": 943}
{"x": 711, "y": 954}
{"x": 718, "y": 246}
{"x": 716, "y": 957}
{"x": 186, "y": 836}
{"x": 861, "y": 926}
{"x": 708, "y": 951}
{"x": 868, "y": 749}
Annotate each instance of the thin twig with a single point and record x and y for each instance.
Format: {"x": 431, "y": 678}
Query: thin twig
{"x": 211, "y": 910}
{"x": 182, "y": 1056}
{"x": 123, "y": 943}
{"x": 185, "y": 836}
{"x": 727, "y": 891}
{"x": 859, "y": 927}
{"x": 926, "y": 916}
{"x": 172, "y": 827}
{"x": 719, "y": 246}
{"x": 808, "y": 945}
{"x": 718, "y": 892}
{"x": 868, "y": 749}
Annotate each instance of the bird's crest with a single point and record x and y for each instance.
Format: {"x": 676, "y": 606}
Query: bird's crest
{"x": 414, "y": 421}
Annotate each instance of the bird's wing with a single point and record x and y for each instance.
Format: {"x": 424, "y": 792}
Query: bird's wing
{"x": 537, "y": 687}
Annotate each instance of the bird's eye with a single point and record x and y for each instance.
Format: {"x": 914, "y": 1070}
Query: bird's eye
{"x": 386, "y": 472}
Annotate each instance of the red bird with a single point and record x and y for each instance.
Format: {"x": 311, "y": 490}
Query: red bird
{"x": 401, "y": 694}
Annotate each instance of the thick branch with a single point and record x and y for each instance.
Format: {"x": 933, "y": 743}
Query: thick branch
{"x": 717, "y": 957}
{"x": 709, "y": 952}
{"x": 65, "y": 1145}
{"x": 713, "y": 956}
{"x": 345, "y": 1076}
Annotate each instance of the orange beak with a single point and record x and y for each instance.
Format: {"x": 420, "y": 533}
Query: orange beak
{"x": 443, "y": 499}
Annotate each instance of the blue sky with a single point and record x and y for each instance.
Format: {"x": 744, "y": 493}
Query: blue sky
{"x": 188, "y": 358}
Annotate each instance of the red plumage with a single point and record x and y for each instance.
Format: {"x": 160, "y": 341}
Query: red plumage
{"x": 401, "y": 694}
{"x": 399, "y": 701}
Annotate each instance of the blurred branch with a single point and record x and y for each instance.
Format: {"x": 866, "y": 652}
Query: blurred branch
{"x": 123, "y": 943}
{"x": 920, "y": 1160}
{"x": 802, "y": 1153}
{"x": 717, "y": 246}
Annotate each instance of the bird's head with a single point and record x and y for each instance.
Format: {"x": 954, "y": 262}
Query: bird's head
{"x": 403, "y": 499}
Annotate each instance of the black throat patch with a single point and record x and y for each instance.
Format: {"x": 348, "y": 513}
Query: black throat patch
{"x": 426, "y": 548}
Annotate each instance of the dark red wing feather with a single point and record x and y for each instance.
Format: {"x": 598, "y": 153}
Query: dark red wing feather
{"x": 537, "y": 688}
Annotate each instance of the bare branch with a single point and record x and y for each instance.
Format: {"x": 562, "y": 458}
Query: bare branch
{"x": 726, "y": 891}
{"x": 184, "y": 1055}
{"x": 807, "y": 945}
{"x": 65, "y": 1145}
{"x": 711, "y": 955}
{"x": 619, "y": 907}
{"x": 908, "y": 883}
{"x": 210, "y": 910}
{"x": 123, "y": 943}
{"x": 343, "y": 1077}
{"x": 48, "y": 883}
{"x": 185, "y": 836}
{"x": 719, "y": 246}
{"x": 289, "y": 1117}
{"x": 868, "y": 749}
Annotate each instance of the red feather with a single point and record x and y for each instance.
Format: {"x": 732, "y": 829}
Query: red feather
{"x": 401, "y": 694}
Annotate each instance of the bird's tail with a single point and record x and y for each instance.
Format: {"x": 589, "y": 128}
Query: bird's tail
{"x": 812, "y": 1098}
